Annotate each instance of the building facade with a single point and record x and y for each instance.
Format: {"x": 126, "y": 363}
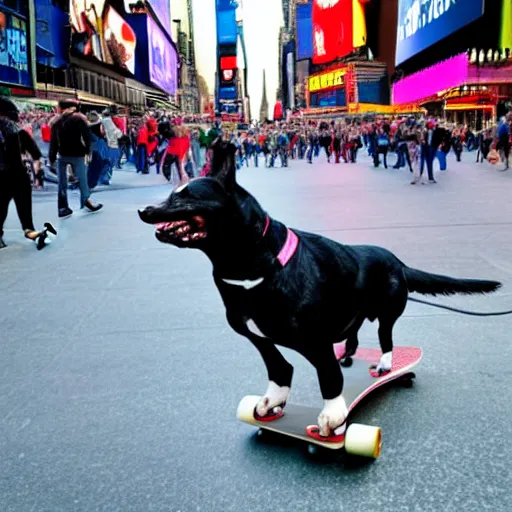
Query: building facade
{"x": 455, "y": 59}
{"x": 108, "y": 54}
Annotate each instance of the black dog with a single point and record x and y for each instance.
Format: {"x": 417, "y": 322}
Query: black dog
{"x": 291, "y": 288}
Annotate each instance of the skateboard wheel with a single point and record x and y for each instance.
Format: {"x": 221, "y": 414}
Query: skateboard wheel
{"x": 363, "y": 440}
{"x": 407, "y": 382}
{"x": 245, "y": 411}
{"x": 346, "y": 362}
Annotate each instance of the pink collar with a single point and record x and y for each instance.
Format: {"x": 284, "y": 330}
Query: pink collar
{"x": 290, "y": 245}
{"x": 285, "y": 255}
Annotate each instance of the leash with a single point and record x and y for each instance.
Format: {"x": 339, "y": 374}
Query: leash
{"x": 457, "y": 310}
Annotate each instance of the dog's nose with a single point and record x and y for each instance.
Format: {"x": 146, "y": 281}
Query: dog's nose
{"x": 144, "y": 213}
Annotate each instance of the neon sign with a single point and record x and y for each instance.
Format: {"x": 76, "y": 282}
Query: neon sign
{"x": 327, "y": 80}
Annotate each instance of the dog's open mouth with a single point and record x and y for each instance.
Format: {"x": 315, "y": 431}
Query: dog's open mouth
{"x": 184, "y": 231}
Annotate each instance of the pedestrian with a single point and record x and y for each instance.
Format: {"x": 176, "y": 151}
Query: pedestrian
{"x": 503, "y": 134}
{"x": 14, "y": 180}
{"x": 112, "y": 136}
{"x": 71, "y": 141}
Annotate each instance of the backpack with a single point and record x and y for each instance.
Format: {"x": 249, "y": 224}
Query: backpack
{"x": 383, "y": 141}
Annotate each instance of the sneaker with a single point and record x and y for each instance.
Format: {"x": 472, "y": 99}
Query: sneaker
{"x": 432, "y": 182}
{"x": 64, "y": 213}
{"x": 2, "y": 243}
{"x": 93, "y": 208}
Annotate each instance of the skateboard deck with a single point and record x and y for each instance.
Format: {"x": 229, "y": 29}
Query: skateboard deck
{"x": 358, "y": 384}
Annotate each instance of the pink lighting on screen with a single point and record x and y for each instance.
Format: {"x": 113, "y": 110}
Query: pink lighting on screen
{"x": 443, "y": 75}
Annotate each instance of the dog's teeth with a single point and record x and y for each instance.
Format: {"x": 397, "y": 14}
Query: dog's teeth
{"x": 186, "y": 239}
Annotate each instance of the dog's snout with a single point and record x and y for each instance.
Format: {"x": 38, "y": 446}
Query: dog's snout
{"x": 145, "y": 213}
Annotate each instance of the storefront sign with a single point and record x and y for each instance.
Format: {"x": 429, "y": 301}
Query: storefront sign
{"x": 327, "y": 80}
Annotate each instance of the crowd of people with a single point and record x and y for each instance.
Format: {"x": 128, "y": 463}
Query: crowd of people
{"x": 88, "y": 148}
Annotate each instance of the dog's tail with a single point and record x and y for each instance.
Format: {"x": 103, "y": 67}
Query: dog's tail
{"x": 434, "y": 284}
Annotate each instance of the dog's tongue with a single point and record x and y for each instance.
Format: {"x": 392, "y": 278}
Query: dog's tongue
{"x": 160, "y": 225}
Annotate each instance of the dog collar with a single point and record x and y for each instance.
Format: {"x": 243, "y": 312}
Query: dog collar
{"x": 285, "y": 255}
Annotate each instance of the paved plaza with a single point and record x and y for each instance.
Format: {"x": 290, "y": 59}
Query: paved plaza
{"x": 120, "y": 378}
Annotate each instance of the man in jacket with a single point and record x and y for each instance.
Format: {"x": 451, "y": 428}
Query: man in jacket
{"x": 432, "y": 140}
{"x": 71, "y": 140}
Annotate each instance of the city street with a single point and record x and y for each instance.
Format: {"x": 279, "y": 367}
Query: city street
{"x": 120, "y": 377}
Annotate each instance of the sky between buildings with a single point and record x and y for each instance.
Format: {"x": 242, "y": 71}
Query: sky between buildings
{"x": 262, "y": 19}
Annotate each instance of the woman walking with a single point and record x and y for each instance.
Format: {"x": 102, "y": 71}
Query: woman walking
{"x": 14, "y": 180}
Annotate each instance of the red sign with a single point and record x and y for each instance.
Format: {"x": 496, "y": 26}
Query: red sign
{"x": 332, "y": 30}
{"x": 228, "y": 62}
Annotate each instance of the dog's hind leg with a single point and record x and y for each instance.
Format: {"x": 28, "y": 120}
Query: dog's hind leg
{"x": 331, "y": 420}
{"x": 352, "y": 342}
{"x": 280, "y": 373}
{"x": 395, "y": 307}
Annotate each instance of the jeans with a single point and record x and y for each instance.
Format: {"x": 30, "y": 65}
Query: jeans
{"x": 79, "y": 169}
{"x": 441, "y": 156}
{"x": 427, "y": 156}
{"x": 142, "y": 159}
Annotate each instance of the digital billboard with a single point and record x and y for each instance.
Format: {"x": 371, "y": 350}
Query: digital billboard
{"x": 304, "y": 24}
{"x": 14, "y": 66}
{"x": 226, "y": 26}
{"x": 162, "y": 11}
{"x": 428, "y": 82}
{"x": 422, "y": 23}
{"x": 161, "y": 8}
{"x": 99, "y": 31}
{"x": 332, "y": 29}
{"x": 163, "y": 59}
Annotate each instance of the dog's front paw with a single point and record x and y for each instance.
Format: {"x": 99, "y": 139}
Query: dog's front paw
{"x": 385, "y": 365}
{"x": 273, "y": 401}
{"x": 332, "y": 418}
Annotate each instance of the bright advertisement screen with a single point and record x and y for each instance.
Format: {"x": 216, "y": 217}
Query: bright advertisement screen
{"x": 332, "y": 30}
{"x": 422, "y": 23}
{"x": 162, "y": 11}
{"x": 99, "y": 31}
{"x": 443, "y": 75}
{"x": 226, "y": 27}
{"x": 14, "y": 68}
{"x": 304, "y": 23}
{"x": 163, "y": 60}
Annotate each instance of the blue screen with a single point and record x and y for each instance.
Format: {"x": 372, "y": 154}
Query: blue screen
{"x": 304, "y": 31}
{"x": 226, "y": 27}
{"x": 227, "y": 93}
{"x": 422, "y": 23}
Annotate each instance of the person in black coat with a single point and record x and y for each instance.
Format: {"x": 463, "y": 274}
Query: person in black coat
{"x": 432, "y": 139}
{"x": 14, "y": 179}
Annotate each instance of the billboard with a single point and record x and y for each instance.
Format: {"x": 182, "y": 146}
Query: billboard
{"x": 163, "y": 59}
{"x": 428, "y": 82}
{"x": 14, "y": 66}
{"x": 98, "y": 31}
{"x": 332, "y": 29}
{"x": 327, "y": 80}
{"x": 422, "y": 23}
{"x": 226, "y": 26}
{"x": 162, "y": 11}
{"x": 304, "y": 24}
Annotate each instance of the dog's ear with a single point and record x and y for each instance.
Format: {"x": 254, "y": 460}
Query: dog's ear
{"x": 223, "y": 164}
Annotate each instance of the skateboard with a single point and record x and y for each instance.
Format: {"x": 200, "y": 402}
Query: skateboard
{"x": 360, "y": 381}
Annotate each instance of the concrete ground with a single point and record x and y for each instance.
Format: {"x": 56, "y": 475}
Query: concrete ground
{"x": 120, "y": 378}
